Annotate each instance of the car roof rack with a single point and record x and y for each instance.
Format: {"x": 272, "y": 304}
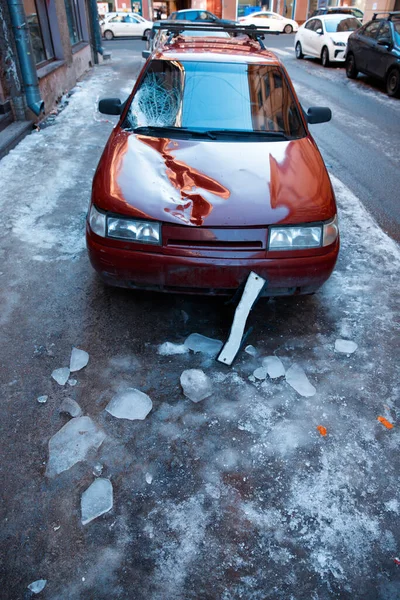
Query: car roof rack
{"x": 174, "y": 29}
{"x": 391, "y": 13}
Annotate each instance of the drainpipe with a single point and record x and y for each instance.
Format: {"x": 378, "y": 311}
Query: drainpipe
{"x": 26, "y": 61}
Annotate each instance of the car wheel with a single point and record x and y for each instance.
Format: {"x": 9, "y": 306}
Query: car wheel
{"x": 299, "y": 51}
{"x": 146, "y": 34}
{"x": 351, "y": 69}
{"x": 288, "y": 29}
{"x": 325, "y": 57}
{"x": 108, "y": 34}
{"x": 393, "y": 83}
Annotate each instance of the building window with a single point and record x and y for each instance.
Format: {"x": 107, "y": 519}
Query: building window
{"x": 74, "y": 21}
{"x": 39, "y": 30}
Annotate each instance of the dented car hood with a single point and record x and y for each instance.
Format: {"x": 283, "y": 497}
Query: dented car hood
{"x": 213, "y": 183}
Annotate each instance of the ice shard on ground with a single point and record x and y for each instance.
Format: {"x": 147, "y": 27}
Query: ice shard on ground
{"x": 130, "y": 404}
{"x": 345, "y": 346}
{"x": 253, "y": 288}
{"x": 71, "y": 407}
{"x": 96, "y": 500}
{"x": 61, "y": 375}
{"x": 72, "y": 443}
{"x": 201, "y": 343}
{"x": 274, "y": 367}
{"x": 169, "y": 349}
{"x": 37, "y": 586}
{"x": 196, "y": 385}
{"x": 79, "y": 359}
{"x": 296, "y": 377}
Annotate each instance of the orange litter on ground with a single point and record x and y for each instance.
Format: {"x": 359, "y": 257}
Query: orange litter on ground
{"x": 322, "y": 430}
{"x": 385, "y": 422}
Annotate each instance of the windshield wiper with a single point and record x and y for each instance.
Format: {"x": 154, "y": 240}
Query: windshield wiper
{"x": 155, "y": 129}
{"x": 241, "y": 133}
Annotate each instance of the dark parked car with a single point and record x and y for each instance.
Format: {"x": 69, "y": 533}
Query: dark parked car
{"x": 202, "y": 16}
{"x": 332, "y": 10}
{"x": 375, "y": 50}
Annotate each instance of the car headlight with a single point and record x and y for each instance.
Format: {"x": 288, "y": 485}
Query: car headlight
{"x": 144, "y": 232}
{"x": 337, "y": 43}
{"x": 97, "y": 221}
{"x": 302, "y": 238}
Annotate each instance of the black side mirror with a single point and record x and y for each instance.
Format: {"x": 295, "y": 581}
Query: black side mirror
{"x": 384, "y": 42}
{"x": 146, "y": 54}
{"x": 318, "y": 114}
{"x": 110, "y": 106}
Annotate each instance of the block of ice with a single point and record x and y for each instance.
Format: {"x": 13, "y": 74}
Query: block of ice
{"x": 37, "y": 586}
{"x": 79, "y": 359}
{"x": 61, "y": 375}
{"x": 97, "y": 469}
{"x": 169, "y": 349}
{"x": 345, "y": 346}
{"x": 196, "y": 385}
{"x": 72, "y": 382}
{"x": 274, "y": 367}
{"x": 149, "y": 478}
{"x": 72, "y": 443}
{"x": 251, "y": 350}
{"x": 296, "y": 377}
{"x": 70, "y": 407}
{"x": 130, "y": 404}
{"x": 42, "y": 399}
{"x": 96, "y": 500}
{"x": 201, "y": 343}
{"x": 260, "y": 373}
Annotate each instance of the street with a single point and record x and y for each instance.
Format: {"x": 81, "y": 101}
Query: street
{"x": 239, "y": 495}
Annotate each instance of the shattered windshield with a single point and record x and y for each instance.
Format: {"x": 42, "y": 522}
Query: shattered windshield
{"x": 215, "y": 96}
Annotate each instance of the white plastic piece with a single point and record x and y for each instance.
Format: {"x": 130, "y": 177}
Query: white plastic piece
{"x": 130, "y": 404}
{"x": 260, "y": 373}
{"x": 61, "y": 375}
{"x": 169, "y": 349}
{"x": 72, "y": 443}
{"x": 71, "y": 407}
{"x": 196, "y": 385}
{"x": 201, "y": 343}
{"x": 37, "y": 586}
{"x": 274, "y": 367}
{"x": 79, "y": 359}
{"x": 345, "y": 346}
{"x": 296, "y": 377}
{"x": 252, "y": 290}
{"x": 96, "y": 500}
{"x": 42, "y": 399}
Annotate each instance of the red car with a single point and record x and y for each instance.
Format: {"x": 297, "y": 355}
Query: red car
{"x": 212, "y": 173}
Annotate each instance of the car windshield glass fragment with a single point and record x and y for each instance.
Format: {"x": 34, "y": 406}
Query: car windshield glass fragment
{"x": 396, "y": 25}
{"x": 342, "y": 25}
{"x": 215, "y": 96}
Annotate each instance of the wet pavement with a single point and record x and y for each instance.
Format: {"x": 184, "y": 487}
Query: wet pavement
{"x": 236, "y": 496}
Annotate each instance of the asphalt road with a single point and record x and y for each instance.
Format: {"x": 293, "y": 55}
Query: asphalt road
{"x": 239, "y": 496}
{"x": 361, "y": 145}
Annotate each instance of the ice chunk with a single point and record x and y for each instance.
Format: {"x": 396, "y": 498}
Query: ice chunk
{"x": 252, "y": 290}
{"x": 72, "y": 443}
{"x": 345, "y": 346}
{"x": 70, "y": 407}
{"x": 61, "y": 375}
{"x": 42, "y": 399}
{"x": 96, "y": 500}
{"x": 97, "y": 469}
{"x": 79, "y": 359}
{"x": 72, "y": 382}
{"x": 260, "y": 373}
{"x": 130, "y": 404}
{"x": 149, "y": 478}
{"x": 296, "y": 377}
{"x": 196, "y": 385}
{"x": 201, "y": 343}
{"x": 168, "y": 349}
{"x": 37, "y": 586}
{"x": 274, "y": 367}
{"x": 251, "y": 350}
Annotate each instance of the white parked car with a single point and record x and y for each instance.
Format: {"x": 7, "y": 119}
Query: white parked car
{"x": 325, "y": 37}
{"x": 125, "y": 24}
{"x": 270, "y": 19}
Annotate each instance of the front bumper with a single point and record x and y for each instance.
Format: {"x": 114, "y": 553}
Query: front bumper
{"x": 339, "y": 54}
{"x": 155, "y": 271}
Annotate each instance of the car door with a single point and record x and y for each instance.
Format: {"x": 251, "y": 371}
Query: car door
{"x": 115, "y": 25}
{"x": 132, "y": 26}
{"x": 316, "y": 35}
{"x": 366, "y": 41}
{"x": 305, "y": 35}
{"x": 380, "y": 53}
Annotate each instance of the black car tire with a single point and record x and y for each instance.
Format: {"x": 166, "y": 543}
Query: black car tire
{"x": 298, "y": 50}
{"x": 351, "y": 69}
{"x": 325, "y": 57}
{"x": 288, "y": 29}
{"x": 393, "y": 83}
{"x": 146, "y": 34}
{"x": 108, "y": 34}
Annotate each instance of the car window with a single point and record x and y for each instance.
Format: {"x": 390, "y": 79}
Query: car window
{"x": 190, "y": 15}
{"x": 117, "y": 19}
{"x": 371, "y": 30}
{"x": 130, "y": 19}
{"x": 173, "y": 16}
{"x": 210, "y": 16}
{"x": 208, "y": 95}
{"x": 202, "y": 16}
{"x": 318, "y": 25}
{"x": 311, "y": 24}
{"x": 341, "y": 25}
{"x": 396, "y": 29}
{"x": 357, "y": 13}
{"x": 384, "y": 32}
